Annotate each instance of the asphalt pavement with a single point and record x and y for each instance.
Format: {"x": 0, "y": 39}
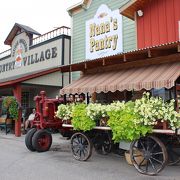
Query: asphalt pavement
{"x": 18, "y": 163}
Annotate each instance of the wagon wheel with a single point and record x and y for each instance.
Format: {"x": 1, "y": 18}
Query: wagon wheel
{"x": 173, "y": 149}
{"x": 28, "y": 139}
{"x": 42, "y": 140}
{"x": 81, "y": 146}
{"x": 103, "y": 143}
{"x": 148, "y": 155}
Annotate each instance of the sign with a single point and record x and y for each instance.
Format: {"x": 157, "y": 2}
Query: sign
{"x": 104, "y": 33}
{"x": 18, "y": 50}
{"x": 20, "y": 60}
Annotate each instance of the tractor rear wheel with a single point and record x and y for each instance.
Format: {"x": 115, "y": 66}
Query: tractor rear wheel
{"x": 28, "y": 139}
{"x": 42, "y": 140}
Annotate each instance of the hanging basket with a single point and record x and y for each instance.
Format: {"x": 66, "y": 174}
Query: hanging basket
{"x": 11, "y": 106}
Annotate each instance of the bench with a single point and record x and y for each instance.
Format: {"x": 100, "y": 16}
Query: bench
{"x": 6, "y": 124}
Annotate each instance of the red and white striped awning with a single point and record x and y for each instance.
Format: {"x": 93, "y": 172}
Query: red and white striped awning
{"x": 155, "y": 76}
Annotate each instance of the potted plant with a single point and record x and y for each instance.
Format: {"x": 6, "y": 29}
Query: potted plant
{"x": 64, "y": 113}
{"x": 98, "y": 113}
{"x": 80, "y": 119}
{"x": 121, "y": 121}
{"x": 154, "y": 111}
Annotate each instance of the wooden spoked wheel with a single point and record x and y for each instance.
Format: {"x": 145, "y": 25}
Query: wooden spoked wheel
{"x": 148, "y": 155}
{"x": 81, "y": 146}
{"x": 172, "y": 144}
{"x": 103, "y": 143}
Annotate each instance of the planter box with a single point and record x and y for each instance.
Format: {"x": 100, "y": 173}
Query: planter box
{"x": 162, "y": 125}
{"x": 67, "y": 121}
{"x": 139, "y": 159}
{"x": 103, "y": 121}
{"x": 124, "y": 145}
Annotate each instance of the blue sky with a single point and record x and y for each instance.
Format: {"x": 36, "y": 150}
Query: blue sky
{"x": 40, "y": 15}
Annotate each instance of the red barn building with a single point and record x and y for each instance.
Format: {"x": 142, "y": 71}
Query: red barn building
{"x": 158, "y": 21}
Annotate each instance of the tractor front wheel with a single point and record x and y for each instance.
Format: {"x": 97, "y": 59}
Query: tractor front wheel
{"x": 28, "y": 139}
{"x": 42, "y": 140}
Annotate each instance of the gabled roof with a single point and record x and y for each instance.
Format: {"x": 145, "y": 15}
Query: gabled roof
{"x": 77, "y": 7}
{"x": 14, "y": 31}
{"x": 132, "y": 6}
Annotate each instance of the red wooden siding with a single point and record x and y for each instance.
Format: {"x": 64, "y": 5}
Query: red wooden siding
{"x": 159, "y": 24}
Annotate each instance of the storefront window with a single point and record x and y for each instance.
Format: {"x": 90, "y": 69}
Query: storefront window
{"x": 164, "y": 93}
{"x": 25, "y": 100}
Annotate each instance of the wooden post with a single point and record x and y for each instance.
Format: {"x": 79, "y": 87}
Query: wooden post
{"x": 17, "y": 93}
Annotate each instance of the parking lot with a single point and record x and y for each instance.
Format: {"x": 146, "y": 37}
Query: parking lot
{"x": 16, "y": 162}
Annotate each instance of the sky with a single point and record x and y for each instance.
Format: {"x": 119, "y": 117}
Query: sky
{"x": 41, "y": 15}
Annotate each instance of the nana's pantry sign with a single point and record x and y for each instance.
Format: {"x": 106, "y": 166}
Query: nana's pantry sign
{"x": 104, "y": 33}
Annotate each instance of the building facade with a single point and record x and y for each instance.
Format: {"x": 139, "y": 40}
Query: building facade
{"x": 122, "y": 74}
{"x": 85, "y": 14}
{"x": 32, "y": 64}
{"x": 158, "y": 22}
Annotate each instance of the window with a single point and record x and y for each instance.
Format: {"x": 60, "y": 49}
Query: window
{"x": 25, "y": 100}
{"x": 164, "y": 93}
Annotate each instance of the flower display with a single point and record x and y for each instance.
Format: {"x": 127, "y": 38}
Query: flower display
{"x": 11, "y": 105}
{"x": 64, "y": 112}
{"x": 96, "y": 111}
{"x": 128, "y": 120}
{"x": 116, "y": 106}
{"x": 152, "y": 109}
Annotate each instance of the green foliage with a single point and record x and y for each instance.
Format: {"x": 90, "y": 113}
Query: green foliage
{"x": 11, "y": 105}
{"x": 123, "y": 126}
{"x": 80, "y": 120}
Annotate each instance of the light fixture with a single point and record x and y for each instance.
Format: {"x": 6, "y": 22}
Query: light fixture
{"x": 140, "y": 13}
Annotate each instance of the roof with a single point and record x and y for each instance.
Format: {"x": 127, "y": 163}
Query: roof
{"x": 132, "y": 6}
{"x": 14, "y": 31}
{"x": 82, "y": 5}
{"x": 162, "y": 53}
{"x": 136, "y": 79}
{"x": 23, "y": 77}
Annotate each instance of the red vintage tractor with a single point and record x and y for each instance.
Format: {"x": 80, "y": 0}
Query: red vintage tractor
{"x": 39, "y": 137}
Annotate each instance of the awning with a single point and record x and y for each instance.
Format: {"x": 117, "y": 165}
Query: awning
{"x": 155, "y": 76}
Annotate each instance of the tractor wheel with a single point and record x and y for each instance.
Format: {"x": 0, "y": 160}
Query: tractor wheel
{"x": 42, "y": 140}
{"x": 81, "y": 146}
{"x": 28, "y": 139}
